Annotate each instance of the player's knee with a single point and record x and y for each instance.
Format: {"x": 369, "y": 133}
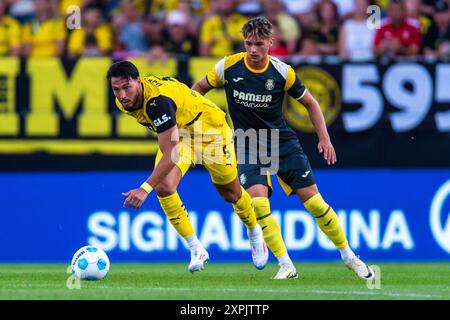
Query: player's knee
{"x": 231, "y": 196}
{"x": 165, "y": 190}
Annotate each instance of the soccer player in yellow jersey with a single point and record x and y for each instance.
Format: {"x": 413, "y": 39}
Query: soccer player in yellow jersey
{"x": 190, "y": 129}
{"x": 255, "y": 84}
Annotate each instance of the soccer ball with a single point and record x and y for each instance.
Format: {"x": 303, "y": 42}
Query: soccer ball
{"x": 90, "y": 263}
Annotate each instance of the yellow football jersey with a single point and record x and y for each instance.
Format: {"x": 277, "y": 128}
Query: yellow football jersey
{"x": 9, "y": 35}
{"x": 223, "y": 36}
{"x": 168, "y": 102}
{"x": 102, "y": 34}
{"x": 43, "y": 36}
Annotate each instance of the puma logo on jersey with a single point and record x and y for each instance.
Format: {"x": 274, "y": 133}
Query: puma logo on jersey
{"x": 163, "y": 119}
{"x": 306, "y": 174}
{"x": 237, "y": 79}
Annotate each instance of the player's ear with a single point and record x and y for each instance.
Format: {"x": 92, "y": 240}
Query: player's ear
{"x": 138, "y": 82}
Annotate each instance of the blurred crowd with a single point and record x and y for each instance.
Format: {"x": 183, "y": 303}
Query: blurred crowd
{"x": 159, "y": 29}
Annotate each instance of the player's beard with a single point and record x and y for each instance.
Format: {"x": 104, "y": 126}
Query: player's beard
{"x": 134, "y": 105}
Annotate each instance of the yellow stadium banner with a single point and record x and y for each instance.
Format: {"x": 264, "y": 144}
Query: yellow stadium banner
{"x": 67, "y": 107}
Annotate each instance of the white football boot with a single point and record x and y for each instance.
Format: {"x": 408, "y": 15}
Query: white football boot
{"x": 361, "y": 269}
{"x": 199, "y": 256}
{"x": 260, "y": 254}
{"x": 287, "y": 271}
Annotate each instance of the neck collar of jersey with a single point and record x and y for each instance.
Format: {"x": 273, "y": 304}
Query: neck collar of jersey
{"x": 256, "y": 70}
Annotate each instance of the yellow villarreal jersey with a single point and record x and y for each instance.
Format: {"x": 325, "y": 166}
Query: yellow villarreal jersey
{"x": 168, "y": 102}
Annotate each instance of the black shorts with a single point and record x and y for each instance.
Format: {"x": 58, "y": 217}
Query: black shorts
{"x": 294, "y": 172}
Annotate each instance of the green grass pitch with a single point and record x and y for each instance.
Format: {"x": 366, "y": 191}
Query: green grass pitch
{"x": 226, "y": 281}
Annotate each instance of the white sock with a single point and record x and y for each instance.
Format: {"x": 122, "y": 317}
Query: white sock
{"x": 255, "y": 231}
{"x": 193, "y": 241}
{"x": 346, "y": 253}
{"x": 284, "y": 259}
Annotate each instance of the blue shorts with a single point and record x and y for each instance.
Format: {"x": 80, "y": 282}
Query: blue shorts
{"x": 294, "y": 173}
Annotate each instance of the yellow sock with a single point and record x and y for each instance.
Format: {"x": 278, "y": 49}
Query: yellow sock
{"x": 244, "y": 210}
{"x": 327, "y": 219}
{"x": 177, "y": 214}
{"x": 269, "y": 225}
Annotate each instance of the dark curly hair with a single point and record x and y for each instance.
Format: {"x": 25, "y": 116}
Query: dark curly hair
{"x": 122, "y": 69}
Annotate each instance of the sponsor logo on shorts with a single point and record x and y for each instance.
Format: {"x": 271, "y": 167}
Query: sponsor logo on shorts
{"x": 306, "y": 173}
{"x": 243, "y": 178}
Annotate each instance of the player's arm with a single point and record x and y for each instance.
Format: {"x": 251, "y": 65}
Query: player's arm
{"x": 168, "y": 142}
{"x": 213, "y": 79}
{"x": 316, "y": 116}
{"x": 297, "y": 90}
{"x": 161, "y": 111}
{"x": 202, "y": 86}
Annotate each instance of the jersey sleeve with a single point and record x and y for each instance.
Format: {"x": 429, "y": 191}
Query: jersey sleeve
{"x": 294, "y": 86}
{"x": 216, "y": 76}
{"x": 161, "y": 111}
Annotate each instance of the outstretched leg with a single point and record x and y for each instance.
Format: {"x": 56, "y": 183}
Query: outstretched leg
{"x": 176, "y": 212}
{"x": 242, "y": 204}
{"x": 328, "y": 222}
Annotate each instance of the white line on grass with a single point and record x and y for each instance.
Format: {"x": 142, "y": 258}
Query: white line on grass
{"x": 325, "y": 292}
{"x": 377, "y": 293}
{"x": 319, "y": 292}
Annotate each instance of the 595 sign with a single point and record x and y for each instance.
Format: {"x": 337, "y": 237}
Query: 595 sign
{"x": 410, "y": 88}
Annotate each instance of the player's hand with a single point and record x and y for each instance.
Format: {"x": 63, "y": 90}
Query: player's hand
{"x": 135, "y": 198}
{"x": 327, "y": 149}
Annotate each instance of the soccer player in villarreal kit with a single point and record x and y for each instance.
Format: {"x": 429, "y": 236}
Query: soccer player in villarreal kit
{"x": 177, "y": 113}
{"x": 255, "y": 85}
